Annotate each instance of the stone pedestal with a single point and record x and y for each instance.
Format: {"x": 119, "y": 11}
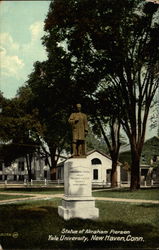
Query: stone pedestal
{"x": 78, "y": 201}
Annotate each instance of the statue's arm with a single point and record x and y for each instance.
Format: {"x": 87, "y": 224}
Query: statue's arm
{"x": 71, "y": 119}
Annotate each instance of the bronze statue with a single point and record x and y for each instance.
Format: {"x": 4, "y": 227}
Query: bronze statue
{"x": 79, "y": 125}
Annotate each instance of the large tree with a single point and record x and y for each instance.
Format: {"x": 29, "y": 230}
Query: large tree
{"x": 48, "y": 83}
{"x": 115, "y": 43}
{"x": 16, "y": 124}
{"x": 135, "y": 79}
{"x": 83, "y": 77}
{"x": 106, "y": 120}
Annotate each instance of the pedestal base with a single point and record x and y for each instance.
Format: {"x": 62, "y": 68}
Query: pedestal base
{"x": 78, "y": 201}
{"x": 84, "y": 209}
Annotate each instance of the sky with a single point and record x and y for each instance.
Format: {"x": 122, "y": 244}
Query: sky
{"x": 21, "y": 29}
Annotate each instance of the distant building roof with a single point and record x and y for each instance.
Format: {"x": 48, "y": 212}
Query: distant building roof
{"x": 98, "y": 151}
{"x": 154, "y": 138}
{"x": 89, "y": 153}
{"x": 126, "y": 147}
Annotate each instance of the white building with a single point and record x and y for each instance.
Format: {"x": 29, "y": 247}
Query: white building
{"x": 101, "y": 165}
{"x": 17, "y": 171}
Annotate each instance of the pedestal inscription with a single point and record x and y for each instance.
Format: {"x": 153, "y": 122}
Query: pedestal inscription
{"x": 78, "y": 182}
{"x": 77, "y": 200}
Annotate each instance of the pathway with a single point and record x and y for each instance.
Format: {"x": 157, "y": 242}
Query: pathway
{"x": 127, "y": 200}
{"x": 51, "y": 196}
{"x": 32, "y": 197}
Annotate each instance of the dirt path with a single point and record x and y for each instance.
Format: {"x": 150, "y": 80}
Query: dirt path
{"x": 127, "y": 200}
{"x": 50, "y": 196}
{"x": 32, "y": 197}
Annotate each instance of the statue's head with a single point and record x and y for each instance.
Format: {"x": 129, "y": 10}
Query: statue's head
{"x": 78, "y": 106}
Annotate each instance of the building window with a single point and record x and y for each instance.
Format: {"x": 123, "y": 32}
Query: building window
{"x": 21, "y": 165}
{"x": 108, "y": 175}
{"x": 96, "y": 161}
{"x": 0, "y": 177}
{"x": 144, "y": 172}
{"x": 95, "y": 174}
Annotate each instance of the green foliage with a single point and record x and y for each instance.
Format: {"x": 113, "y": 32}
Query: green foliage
{"x": 50, "y": 98}
{"x": 16, "y": 124}
{"x": 112, "y": 41}
{"x": 95, "y": 142}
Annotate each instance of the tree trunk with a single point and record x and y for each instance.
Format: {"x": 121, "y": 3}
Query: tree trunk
{"x": 29, "y": 166}
{"x": 52, "y": 156}
{"x": 53, "y": 162}
{"x": 135, "y": 172}
{"x": 29, "y": 175}
{"x": 114, "y": 174}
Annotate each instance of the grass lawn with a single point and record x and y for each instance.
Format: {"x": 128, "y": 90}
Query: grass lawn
{"x": 8, "y": 197}
{"x": 146, "y": 194}
{"x": 34, "y": 221}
